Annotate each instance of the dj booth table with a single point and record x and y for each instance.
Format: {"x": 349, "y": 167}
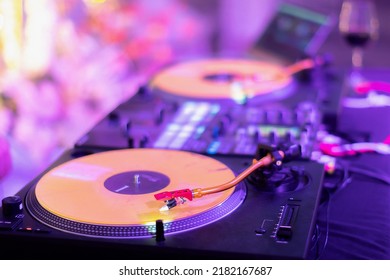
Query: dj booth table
{"x": 355, "y": 219}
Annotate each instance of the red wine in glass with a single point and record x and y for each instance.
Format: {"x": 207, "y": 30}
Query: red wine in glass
{"x": 358, "y": 24}
{"x": 357, "y": 39}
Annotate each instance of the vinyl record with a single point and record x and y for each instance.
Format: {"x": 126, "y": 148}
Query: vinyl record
{"x": 118, "y": 187}
{"x": 222, "y": 79}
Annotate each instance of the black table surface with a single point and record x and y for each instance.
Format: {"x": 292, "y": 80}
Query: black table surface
{"x": 354, "y": 219}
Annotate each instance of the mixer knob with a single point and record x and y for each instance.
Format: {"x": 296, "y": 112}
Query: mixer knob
{"x": 279, "y": 117}
{"x": 130, "y": 142}
{"x": 272, "y": 138}
{"x": 265, "y": 117}
{"x": 12, "y": 205}
{"x": 143, "y": 141}
{"x": 288, "y": 137}
{"x": 253, "y": 133}
{"x": 218, "y": 129}
{"x": 127, "y": 128}
{"x": 142, "y": 90}
{"x": 160, "y": 116}
{"x": 113, "y": 118}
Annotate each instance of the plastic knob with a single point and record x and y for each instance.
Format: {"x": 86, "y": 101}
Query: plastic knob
{"x": 130, "y": 142}
{"x": 143, "y": 142}
{"x": 12, "y": 205}
{"x": 160, "y": 117}
{"x": 113, "y": 118}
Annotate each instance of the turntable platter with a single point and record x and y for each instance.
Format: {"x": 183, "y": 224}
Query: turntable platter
{"x": 221, "y": 78}
{"x": 116, "y": 188}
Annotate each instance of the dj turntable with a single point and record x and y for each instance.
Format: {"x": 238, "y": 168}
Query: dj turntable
{"x": 103, "y": 206}
{"x": 195, "y": 165}
{"x": 224, "y": 106}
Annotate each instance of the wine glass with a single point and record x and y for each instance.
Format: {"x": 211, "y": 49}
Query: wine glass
{"x": 358, "y": 23}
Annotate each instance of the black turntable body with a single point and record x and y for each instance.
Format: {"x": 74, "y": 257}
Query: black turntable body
{"x": 261, "y": 219}
{"x": 266, "y": 225}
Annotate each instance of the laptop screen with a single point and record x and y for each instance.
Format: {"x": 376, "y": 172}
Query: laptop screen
{"x": 295, "y": 32}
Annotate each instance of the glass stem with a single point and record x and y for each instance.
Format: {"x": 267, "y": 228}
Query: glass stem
{"x": 357, "y": 58}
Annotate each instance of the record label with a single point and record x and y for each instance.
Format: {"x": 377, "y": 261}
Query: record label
{"x": 137, "y": 182}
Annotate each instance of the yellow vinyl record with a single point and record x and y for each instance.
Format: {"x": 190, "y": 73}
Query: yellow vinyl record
{"x": 222, "y": 79}
{"x": 117, "y": 187}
